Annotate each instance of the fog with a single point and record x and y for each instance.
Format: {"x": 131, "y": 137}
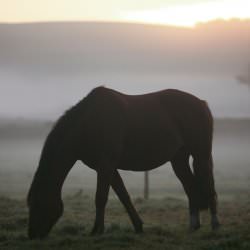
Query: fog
{"x": 21, "y": 143}
{"x": 47, "y": 68}
{"x": 48, "y": 98}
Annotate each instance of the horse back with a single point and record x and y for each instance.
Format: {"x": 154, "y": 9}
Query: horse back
{"x": 145, "y": 129}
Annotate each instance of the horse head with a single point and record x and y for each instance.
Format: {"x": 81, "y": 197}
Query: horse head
{"x": 45, "y": 208}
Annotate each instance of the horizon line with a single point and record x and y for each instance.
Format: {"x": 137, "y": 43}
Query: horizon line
{"x": 218, "y": 20}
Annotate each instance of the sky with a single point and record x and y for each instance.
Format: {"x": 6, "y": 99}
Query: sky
{"x": 171, "y": 12}
{"x": 23, "y": 92}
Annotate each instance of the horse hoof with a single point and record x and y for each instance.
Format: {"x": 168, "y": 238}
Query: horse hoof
{"x": 193, "y": 229}
{"x": 139, "y": 230}
{"x": 194, "y": 223}
{"x": 97, "y": 231}
{"x": 215, "y": 226}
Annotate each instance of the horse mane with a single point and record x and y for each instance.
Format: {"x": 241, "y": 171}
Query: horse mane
{"x": 56, "y": 135}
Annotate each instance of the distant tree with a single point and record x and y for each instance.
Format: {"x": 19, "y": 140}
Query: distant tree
{"x": 245, "y": 78}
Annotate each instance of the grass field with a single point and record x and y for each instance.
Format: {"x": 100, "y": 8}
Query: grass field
{"x": 165, "y": 226}
{"x": 165, "y": 214}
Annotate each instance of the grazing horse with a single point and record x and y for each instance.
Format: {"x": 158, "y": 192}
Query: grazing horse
{"x": 107, "y": 131}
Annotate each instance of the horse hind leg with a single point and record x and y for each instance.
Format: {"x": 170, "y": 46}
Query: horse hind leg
{"x": 119, "y": 188}
{"x": 215, "y": 224}
{"x": 181, "y": 167}
{"x": 203, "y": 169}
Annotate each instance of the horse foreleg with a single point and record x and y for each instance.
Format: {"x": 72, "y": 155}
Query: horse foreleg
{"x": 104, "y": 177}
{"x": 121, "y": 191}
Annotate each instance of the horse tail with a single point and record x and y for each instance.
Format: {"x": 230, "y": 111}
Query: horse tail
{"x": 203, "y": 173}
{"x": 203, "y": 166}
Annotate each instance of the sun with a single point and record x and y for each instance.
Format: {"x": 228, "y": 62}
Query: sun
{"x": 190, "y": 15}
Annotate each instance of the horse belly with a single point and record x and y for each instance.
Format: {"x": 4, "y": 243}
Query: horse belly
{"x": 150, "y": 150}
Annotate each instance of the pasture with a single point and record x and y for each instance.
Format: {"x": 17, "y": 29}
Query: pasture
{"x": 165, "y": 214}
{"x": 165, "y": 226}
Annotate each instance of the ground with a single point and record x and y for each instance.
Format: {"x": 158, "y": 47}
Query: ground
{"x": 165, "y": 226}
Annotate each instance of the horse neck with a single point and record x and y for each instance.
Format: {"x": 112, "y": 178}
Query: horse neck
{"x": 59, "y": 154}
{"x": 51, "y": 176}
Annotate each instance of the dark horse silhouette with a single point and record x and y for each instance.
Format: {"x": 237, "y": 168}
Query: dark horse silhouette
{"x": 107, "y": 131}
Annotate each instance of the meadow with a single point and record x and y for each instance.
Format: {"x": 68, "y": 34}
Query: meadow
{"x": 165, "y": 226}
{"x": 165, "y": 214}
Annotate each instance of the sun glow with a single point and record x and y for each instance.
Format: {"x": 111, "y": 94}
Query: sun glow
{"x": 171, "y": 12}
{"x": 189, "y": 15}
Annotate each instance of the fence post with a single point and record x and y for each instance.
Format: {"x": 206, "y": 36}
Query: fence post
{"x": 146, "y": 185}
